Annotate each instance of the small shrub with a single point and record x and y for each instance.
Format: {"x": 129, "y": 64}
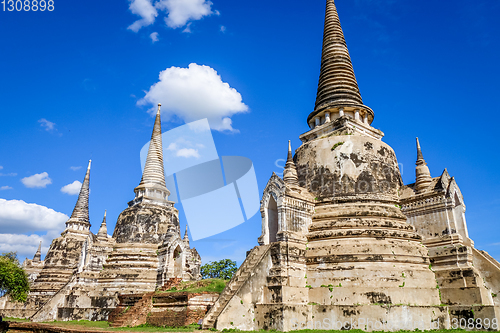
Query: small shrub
{"x": 337, "y": 145}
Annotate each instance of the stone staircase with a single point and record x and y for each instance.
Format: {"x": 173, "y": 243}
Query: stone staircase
{"x": 239, "y": 278}
{"x": 131, "y": 312}
{"x": 133, "y": 309}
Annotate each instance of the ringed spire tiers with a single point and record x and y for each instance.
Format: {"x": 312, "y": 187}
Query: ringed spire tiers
{"x": 338, "y": 90}
{"x": 290, "y": 172}
{"x": 38, "y": 254}
{"x": 422, "y": 173}
{"x": 152, "y": 185}
{"x": 79, "y": 219}
{"x": 103, "y": 230}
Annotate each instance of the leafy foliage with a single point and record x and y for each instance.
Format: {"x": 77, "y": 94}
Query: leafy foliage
{"x": 13, "y": 279}
{"x": 222, "y": 269}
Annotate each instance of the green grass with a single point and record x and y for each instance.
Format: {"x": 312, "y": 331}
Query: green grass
{"x": 21, "y": 320}
{"x": 350, "y": 331}
{"x": 207, "y": 285}
{"x": 104, "y": 325}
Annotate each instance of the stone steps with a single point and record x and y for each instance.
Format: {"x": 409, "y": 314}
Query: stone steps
{"x": 135, "y": 315}
{"x": 138, "y": 309}
{"x": 239, "y": 278}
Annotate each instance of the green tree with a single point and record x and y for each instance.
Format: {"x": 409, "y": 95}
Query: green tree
{"x": 13, "y": 278}
{"x": 222, "y": 269}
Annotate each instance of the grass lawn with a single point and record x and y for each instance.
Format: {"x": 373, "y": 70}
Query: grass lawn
{"x": 207, "y": 285}
{"x": 104, "y": 325}
{"x": 18, "y": 320}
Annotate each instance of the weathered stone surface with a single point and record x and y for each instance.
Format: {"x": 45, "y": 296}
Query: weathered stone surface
{"x": 147, "y": 224}
{"x": 336, "y": 247}
{"x": 83, "y": 273}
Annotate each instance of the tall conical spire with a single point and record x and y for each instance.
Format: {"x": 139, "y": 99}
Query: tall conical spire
{"x": 153, "y": 169}
{"x": 38, "y": 254}
{"x": 186, "y": 237}
{"x": 80, "y": 213}
{"x": 290, "y": 172}
{"x": 103, "y": 230}
{"x": 152, "y": 184}
{"x": 337, "y": 83}
{"x": 338, "y": 90}
{"x": 422, "y": 173}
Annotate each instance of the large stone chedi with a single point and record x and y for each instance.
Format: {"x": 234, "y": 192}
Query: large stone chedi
{"x": 83, "y": 273}
{"x": 336, "y": 246}
{"x": 149, "y": 248}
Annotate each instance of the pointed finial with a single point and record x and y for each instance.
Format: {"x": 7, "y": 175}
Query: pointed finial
{"x": 420, "y": 157}
{"x": 290, "y": 156}
{"x": 159, "y": 106}
{"x": 422, "y": 173}
{"x": 38, "y": 254}
{"x": 80, "y": 213}
{"x": 103, "y": 230}
{"x": 290, "y": 172}
{"x": 186, "y": 237}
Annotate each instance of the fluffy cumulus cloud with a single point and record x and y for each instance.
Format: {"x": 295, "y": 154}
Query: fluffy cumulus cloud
{"x": 194, "y": 93}
{"x": 39, "y": 180}
{"x": 23, "y": 225}
{"x": 47, "y": 125}
{"x": 182, "y": 11}
{"x": 188, "y": 152}
{"x": 17, "y": 216}
{"x": 178, "y": 12}
{"x": 154, "y": 37}
{"x": 73, "y": 188}
{"x": 26, "y": 245}
{"x": 144, "y": 9}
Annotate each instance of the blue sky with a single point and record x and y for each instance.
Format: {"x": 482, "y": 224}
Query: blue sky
{"x": 76, "y": 83}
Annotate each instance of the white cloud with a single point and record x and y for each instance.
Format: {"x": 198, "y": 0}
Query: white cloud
{"x": 12, "y": 174}
{"x": 154, "y": 37}
{"x": 182, "y": 11}
{"x": 39, "y": 180}
{"x": 188, "y": 28}
{"x": 73, "y": 188}
{"x": 147, "y": 12}
{"x": 75, "y": 168}
{"x": 1, "y": 167}
{"x": 27, "y": 245}
{"x": 172, "y": 146}
{"x": 19, "y": 221}
{"x": 222, "y": 28}
{"x": 17, "y": 216}
{"x": 47, "y": 125}
{"x": 195, "y": 93}
{"x": 3, "y": 188}
{"x": 179, "y": 12}
{"x": 188, "y": 152}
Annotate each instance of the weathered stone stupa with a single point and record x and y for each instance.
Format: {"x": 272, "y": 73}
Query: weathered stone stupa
{"x": 83, "y": 273}
{"x": 336, "y": 250}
